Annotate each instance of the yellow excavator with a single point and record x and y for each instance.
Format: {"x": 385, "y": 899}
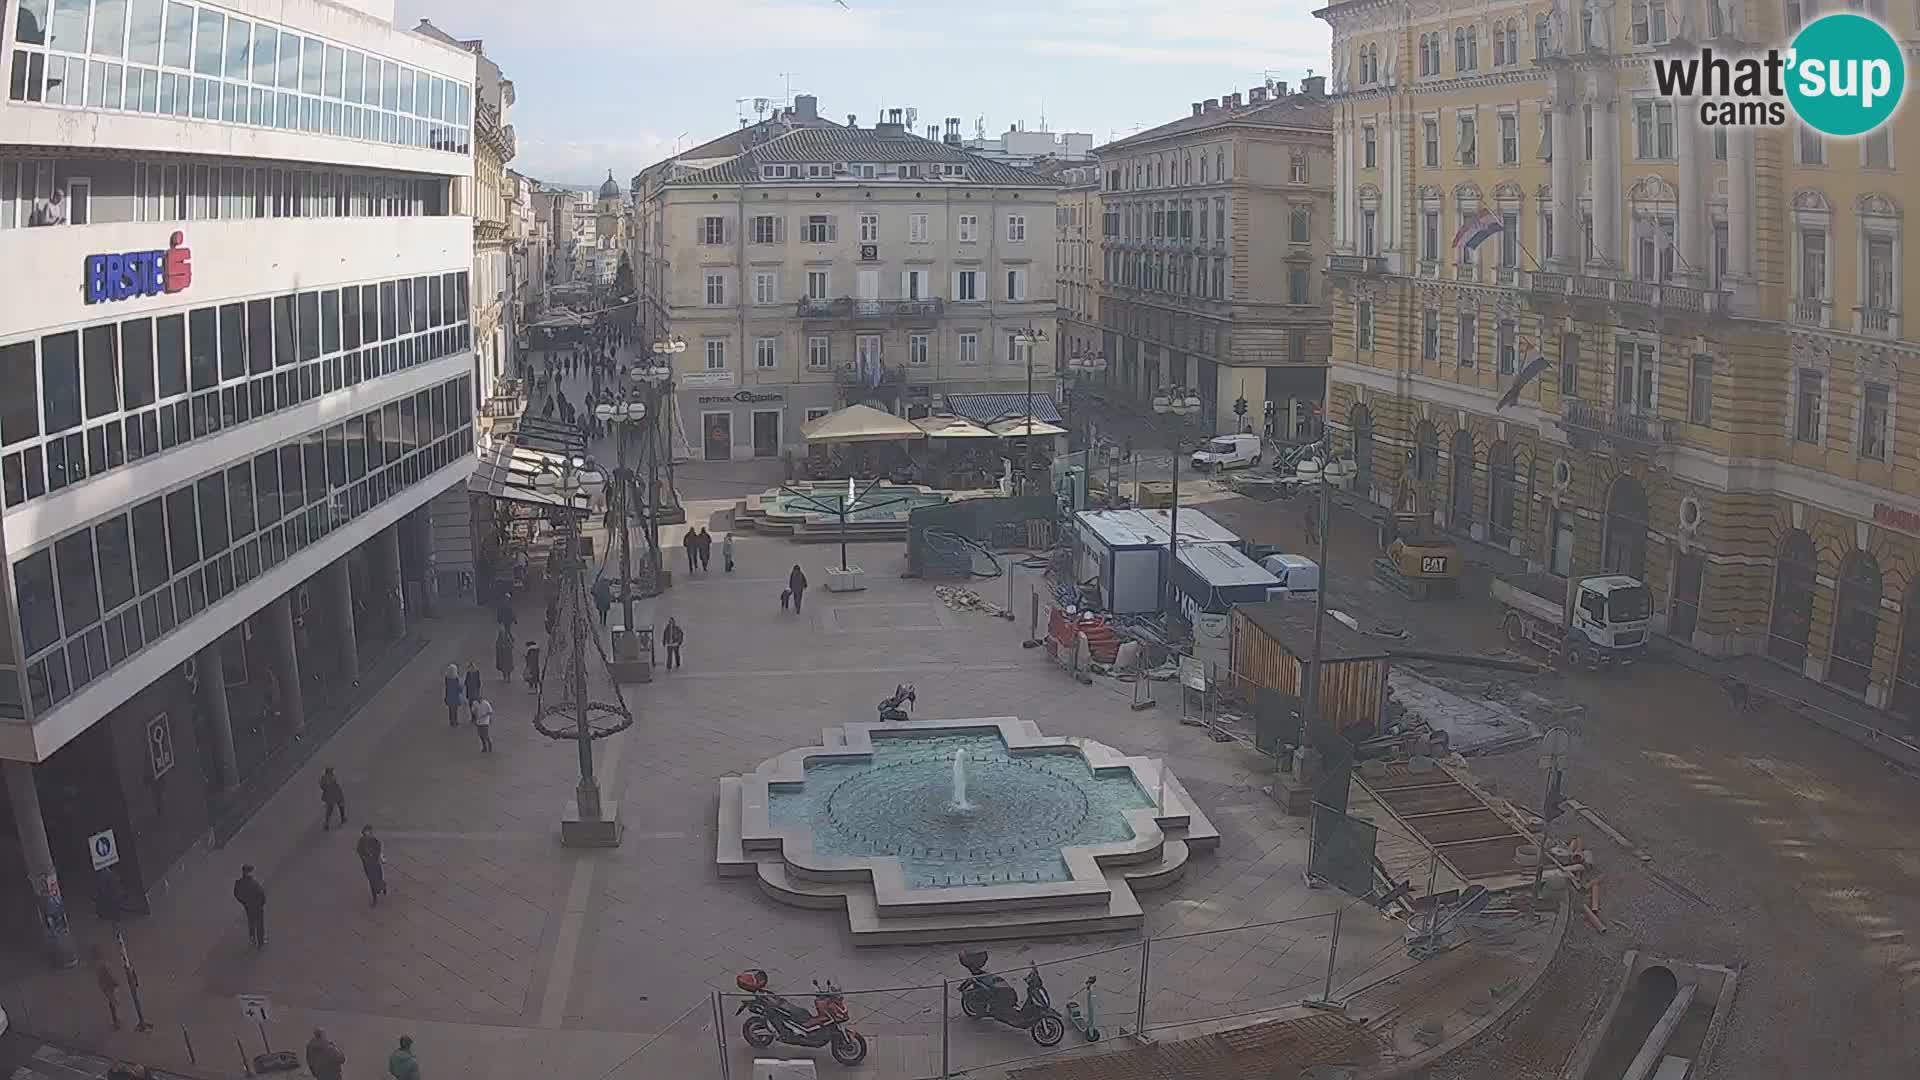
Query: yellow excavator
{"x": 1419, "y": 561}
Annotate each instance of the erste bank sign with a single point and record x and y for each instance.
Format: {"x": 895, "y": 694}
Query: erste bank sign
{"x": 140, "y": 273}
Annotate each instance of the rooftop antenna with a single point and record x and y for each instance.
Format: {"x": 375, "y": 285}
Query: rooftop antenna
{"x": 980, "y": 127}
{"x": 787, "y": 77}
{"x": 760, "y": 107}
{"x": 1043, "y": 114}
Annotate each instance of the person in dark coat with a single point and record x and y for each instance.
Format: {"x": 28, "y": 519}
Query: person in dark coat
{"x": 797, "y": 586}
{"x": 373, "y": 863}
{"x": 503, "y": 654}
{"x": 692, "y": 543}
{"x": 706, "y": 549}
{"x": 324, "y": 1060}
{"x": 332, "y": 798}
{"x": 553, "y": 616}
{"x": 603, "y": 598}
{"x": 454, "y": 692}
{"x": 472, "y": 686}
{"x": 253, "y": 900}
{"x": 673, "y": 637}
{"x": 534, "y": 673}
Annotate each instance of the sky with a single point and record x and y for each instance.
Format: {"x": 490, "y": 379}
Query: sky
{"x": 619, "y": 84}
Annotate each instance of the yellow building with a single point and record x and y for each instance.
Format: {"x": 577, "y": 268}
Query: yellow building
{"x": 1722, "y": 311}
{"x": 1077, "y": 261}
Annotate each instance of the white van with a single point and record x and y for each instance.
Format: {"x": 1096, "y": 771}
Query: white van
{"x": 1228, "y": 452}
{"x": 1299, "y": 576}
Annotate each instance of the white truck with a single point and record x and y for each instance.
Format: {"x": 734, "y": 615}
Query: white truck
{"x": 1609, "y": 623}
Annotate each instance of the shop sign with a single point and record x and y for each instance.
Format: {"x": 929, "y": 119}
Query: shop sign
{"x": 129, "y": 274}
{"x": 706, "y": 378}
{"x": 1893, "y": 517}
{"x": 743, "y": 397}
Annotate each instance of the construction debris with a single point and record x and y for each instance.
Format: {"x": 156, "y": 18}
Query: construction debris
{"x": 960, "y": 599}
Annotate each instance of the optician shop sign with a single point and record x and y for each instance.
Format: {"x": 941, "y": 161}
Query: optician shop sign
{"x": 140, "y": 273}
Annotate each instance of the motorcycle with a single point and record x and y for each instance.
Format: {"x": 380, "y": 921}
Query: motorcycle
{"x": 775, "y": 1019}
{"x": 900, "y": 705}
{"x": 989, "y": 997}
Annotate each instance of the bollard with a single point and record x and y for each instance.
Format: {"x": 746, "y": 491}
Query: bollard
{"x": 245, "y": 1062}
{"x": 187, "y": 1037}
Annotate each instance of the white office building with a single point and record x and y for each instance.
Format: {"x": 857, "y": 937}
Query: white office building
{"x": 235, "y": 352}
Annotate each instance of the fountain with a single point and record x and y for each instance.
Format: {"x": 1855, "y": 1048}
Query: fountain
{"x": 934, "y": 830}
{"x": 960, "y": 805}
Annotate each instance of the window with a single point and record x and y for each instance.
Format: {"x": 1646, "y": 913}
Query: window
{"x": 913, "y": 285}
{"x": 1430, "y": 143}
{"x": 1879, "y": 283}
{"x": 1700, "y": 390}
{"x": 869, "y": 228}
{"x": 1813, "y": 264}
{"x": 1813, "y": 148}
{"x": 1363, "y": 325}
{"x": 1296, "y": 170}
{"x": 1810, "y": 410}
{"x": 1297, "y": 286}
{"x": 1016, "y": 228}
{"x": 820, "y": 229}
{"x": 819, "y": 353}
{"x": 1653, "y": 130}
{"x": 818, "y": 287}
{"x": 1459, "y": 48}
{"x": 766, "y": 353}
{"x": 766, "y": 289}
{"x": 1300, "y": 225}
{"x": 969, "y": 227}
{"x": 917, "y": 229}
{"x": 1369, "y": 232}
{"x": 966, "y": 285}
{"x": 1430, "y": 334}
{"x": 713, "y": 230}
{"x": 1017, "y": 284}
{"x": 1509, "y": 240}
{"x": 1875, "y": 411}
{"x": 917, "y": 349}
{"x": 969, "y": 349}
{"x": 716, "y": 355}
{"x": 1368, "y": 150}
{"x": 1636, "y": 379}
{"x": 1466, "y": 339}
{"x": 1569, "y": 365}
{"x": 716, "y": 288}
{"x": 1469, "y": 140}
{"x": 1649, "y": 22}
{"x": 766, "y": 228}
{"x": 1506, "y": 339}
{"x": 1795, "y": 17}
{"x": 1509, "y": 139}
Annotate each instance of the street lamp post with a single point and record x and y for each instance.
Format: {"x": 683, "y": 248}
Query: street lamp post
{"x": 1029, "y": 337}
{"x": 621, "y": 414}
{"x": 660, "y": 379}
{"x": 1178, "y": 405}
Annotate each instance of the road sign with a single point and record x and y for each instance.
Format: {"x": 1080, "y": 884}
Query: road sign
{"x": 257, "y": 1008}
{"x": 103, "y": 848}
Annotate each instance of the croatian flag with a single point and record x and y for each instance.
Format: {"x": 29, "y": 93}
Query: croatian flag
{"x": 1476, "y": 230}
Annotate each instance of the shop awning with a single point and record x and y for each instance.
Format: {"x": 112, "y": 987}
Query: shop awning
{"x": 1020, "y": 427}
{"x": 860, "y": 423}
{"x": 509, "y": 462}
{"x": 986, "y": 408}
{"x": 951, "y": 427}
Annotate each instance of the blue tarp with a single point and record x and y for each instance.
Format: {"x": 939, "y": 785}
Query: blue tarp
{"x": 986, "y": 408}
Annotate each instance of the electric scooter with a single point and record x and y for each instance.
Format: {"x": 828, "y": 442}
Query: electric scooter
{"x": 988, "y": 997}
{"x": 1082, "y": 1017}
{"x": 775, "y": 1019}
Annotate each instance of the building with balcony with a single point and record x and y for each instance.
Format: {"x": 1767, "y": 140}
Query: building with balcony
{"x": 235, "y": 378}
{"x": 1215, "y": 227}
{"x": 1720, "y": 310}
{"x": 1077, "y": 263}
{"x": 831, "y": 265}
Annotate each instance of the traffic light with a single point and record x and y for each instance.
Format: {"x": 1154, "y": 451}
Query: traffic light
{"x": 1240, "y": 407}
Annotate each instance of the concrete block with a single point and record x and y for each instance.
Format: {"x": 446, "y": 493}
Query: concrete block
{"x": 603, "y": 832}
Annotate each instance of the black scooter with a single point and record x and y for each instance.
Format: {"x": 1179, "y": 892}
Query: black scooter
{"x": 775, "y": 1019}
{"x": 990, "y": 997}
{"x": 900, "y": 705}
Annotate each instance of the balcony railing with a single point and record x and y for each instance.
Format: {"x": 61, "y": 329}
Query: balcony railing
{"x": 1620, "y": 427}
{"x": 844, "y": 308}
{"x": 1878, "y": 321}
{"x": 889, "y": 375}
{"x": 1625, "y": 292}
{"x": 1356, "y": 264}
{"x": 1810, "y": 310}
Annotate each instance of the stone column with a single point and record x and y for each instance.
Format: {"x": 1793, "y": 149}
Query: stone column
{"x": 1567, "y": 147}
{"x": 1606, "y": 183}
{"x": 419, "y": 524}
{"x": 1692, "y": 224}
{"x": 337, "y": 583}
{"x": 387, "y": 586}
{"x": 1740, "y": 203}
{"x": 41, "y": 875}
{"x": 212, "y": 694}
{"x": 278, "y": 619}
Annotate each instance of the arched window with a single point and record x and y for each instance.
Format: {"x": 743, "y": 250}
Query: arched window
{"x": 1188, "y": 179}
{"x": 1360, "y": 427}
{"x": 1513, "y": 41}
{"x": 1856, "y": 623}
{"x": 1220, "y": 165}
{"x": 1459, "y": 48}
{"x": 1461, "y": 516}
{"x": 1905, "y": 697}
{"x": 1500, "y": 487}
{"x": 1623, "y": 548}
{"x": 1301, "y": 225}
{"x": 1203, "y": 168}
{"x": 1794, "y": 573}
{"x": 1499, "y": 47}
{"x": 1426, "y": 463}
{"x": 1473, "y": 48}
{"x": 1540, "y": 33}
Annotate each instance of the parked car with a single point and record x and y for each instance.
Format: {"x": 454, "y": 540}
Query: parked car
{"x": 1228, "y": 452}
{"x": 1299, "y": 575}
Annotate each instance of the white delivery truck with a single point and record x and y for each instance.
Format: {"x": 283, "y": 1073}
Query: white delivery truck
{"x": 1224, "y": 452}
{"x": 1609, "y": 623}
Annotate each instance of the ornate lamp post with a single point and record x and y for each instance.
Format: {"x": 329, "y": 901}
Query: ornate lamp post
{"x": 1178, "y": 405}
{"x": 1031, "y": 336}
{"x": 574, "y": 484}
{"x": 659, "y": 380}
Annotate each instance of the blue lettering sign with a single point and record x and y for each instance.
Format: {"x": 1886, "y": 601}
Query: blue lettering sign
{"x": 125, "y": 275}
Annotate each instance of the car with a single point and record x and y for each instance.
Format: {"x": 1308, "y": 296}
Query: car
{"x": 1228, "y": 452}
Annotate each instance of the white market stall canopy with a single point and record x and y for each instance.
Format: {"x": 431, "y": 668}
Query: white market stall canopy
{"x": 860, "y": 423}
{"x": 952, "y": 427}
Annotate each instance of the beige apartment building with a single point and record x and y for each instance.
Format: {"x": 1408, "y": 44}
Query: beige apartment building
{"x": 1215, "y": 228}
{"x": 830, "y": 265}
{"x": 1728, "y": 414}
{"x": 1078, "y": 262}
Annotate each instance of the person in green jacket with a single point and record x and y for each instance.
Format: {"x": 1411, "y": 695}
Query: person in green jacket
{"x": 403, "y": 1065}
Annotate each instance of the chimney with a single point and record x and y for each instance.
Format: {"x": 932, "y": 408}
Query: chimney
{"x": 1314, "y": 86}
{"x": 1196, "y": 108}
{"x": 1257, "y": 95}
{"x": 1211, "y": 104}
{"x": 806, "y": 106}
{"x": 1280, "y": 89}
{"x": 933, "y": 132}
{"x": 1236, "y": 100}
{"x": 953, "y": 131}
{"x": 892, "y": 125}
{"x": 853, "y": 121}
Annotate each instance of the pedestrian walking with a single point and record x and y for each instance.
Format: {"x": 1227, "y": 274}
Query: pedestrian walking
{"x": 533, "y": 665}
{"x": 603, "y": 598}
{"x": 706, "y": 549}
{"x": 546, "y": 408}
{"x": 324, "y": 1060}
{"x": 797, "y": 585}
{"x": 692, "y": 544}
{"x": 108, "y": 982}
{"x": 483, "y": 723}
{"x": 503, "y": 654}
{"x": 673, "y": 637}
{"x": 503, "y": 612}
{"x": 332, "y": 797}
{"x": 455, "y": 693}
{"x": 726, "y": 552}
{"x": 472, "y": 686}
{"x": 402, "y": 1065}
{"x": 373, "y": 863}
{"x": 253, "y": 900}
{"x": 553, "y": 616}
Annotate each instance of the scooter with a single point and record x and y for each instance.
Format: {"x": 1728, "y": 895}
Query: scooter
{"x": 989, "y": 997}
{"x": 1081, "y": 1017}
{"x": 900, "y": 705}
{"x": 775, "y": 1019}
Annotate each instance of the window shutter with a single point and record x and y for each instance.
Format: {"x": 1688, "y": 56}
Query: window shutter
{"x": 956, "y": 285}
{"x": 780, "y": 229}
{"x": 727, "y": 230}
{"x": 906, "y": 284}
{"x": 833, "y": 229}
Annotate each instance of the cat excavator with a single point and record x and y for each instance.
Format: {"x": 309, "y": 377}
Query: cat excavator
{"x": 1418, "y": 560}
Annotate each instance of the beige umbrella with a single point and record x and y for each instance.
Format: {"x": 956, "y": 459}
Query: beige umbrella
{"x": 952, "y": 427}
{"x": 860, "y": 423}
{"x": 1021, "y": 426}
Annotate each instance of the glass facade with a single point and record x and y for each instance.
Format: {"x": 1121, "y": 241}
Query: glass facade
{"x": 87, "y": 401}
{"x": 196, "y": 61}
{"x": 98, "y": 595}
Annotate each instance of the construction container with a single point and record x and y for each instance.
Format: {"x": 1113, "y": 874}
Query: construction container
{"x": 1273, "y": 649}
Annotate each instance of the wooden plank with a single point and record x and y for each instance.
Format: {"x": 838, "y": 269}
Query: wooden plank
{"x": 1399, "y": 850}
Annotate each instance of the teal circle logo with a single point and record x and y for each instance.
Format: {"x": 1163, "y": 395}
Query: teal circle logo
{"x": 1846, "y": 75}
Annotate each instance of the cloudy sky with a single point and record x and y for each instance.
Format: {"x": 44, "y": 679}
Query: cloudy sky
{"x": 613, "y": 84}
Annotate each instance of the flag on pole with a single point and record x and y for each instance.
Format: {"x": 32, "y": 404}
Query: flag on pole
{"x": 1476, "y": 230}
{"x": 1529, "y": 371}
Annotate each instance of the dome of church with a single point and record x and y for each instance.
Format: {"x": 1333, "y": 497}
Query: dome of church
{"x": 610, "y": 190}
